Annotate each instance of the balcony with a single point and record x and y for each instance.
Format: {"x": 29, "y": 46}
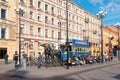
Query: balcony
{"x": 32, "y": 6}
{"x": 84, "y": 30}
{"x": 86, "y": 37}
{"x": 40, "y": 9}
{"x": 4, "y": 3}
{"x": 87, "y": 20}
{"x": 95, "y": 32}
{"x": 47, "y": 12}
{"x": 53, "y": 14}
{"x": 60, "y": 16}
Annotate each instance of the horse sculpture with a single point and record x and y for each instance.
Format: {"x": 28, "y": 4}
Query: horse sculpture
{"x": 51, "y": 55}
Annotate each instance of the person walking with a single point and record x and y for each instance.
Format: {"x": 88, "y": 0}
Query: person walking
{"x": 15, "y": 58}
{"x": 24, "y": 60}
{"x": 39, "y": 60}
{"x": 6, "y": 58}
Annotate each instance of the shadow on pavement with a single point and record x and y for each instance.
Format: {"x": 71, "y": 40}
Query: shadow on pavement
{"x": 16, "y": 73}
{"x": 117, "y": 76}
{"x": 51, "y": 78}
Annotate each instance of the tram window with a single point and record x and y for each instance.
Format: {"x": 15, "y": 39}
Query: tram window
{"x": 75, "y": 48}
{"x": 80, "y": 49}
{"x": 84, "y": 49}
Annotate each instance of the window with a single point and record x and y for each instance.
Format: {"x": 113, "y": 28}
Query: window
{"x": 59, "y": 11}
{"x": 31, "y": 2}
{"x": 52, "y": 21}
{"x": 39, "y": 17}
{"x": 3, "y": 33}
{"x": 22, "y": 28}
{"x": 46, "y": 19}
{"x": 73, "y": 18}
{"x": 22, "y": 45}
{"x": 46, "y": 7}
{"x": 22, "y": 13}
{"x": 22, "y": 0}
{"x": 31, "y": 15}
{"x": 46, "y": 32}
{"x": 59, "y": 35}
{"x": 52, "y": 9}
{"x": 31, "y": 45}
{"x": 4, "y": 0}
{"x": 39, "y": 31}
{"x": 31, "y": 30}
{"x": 39, "y": 44}
{"x": 39, "y": 4}
{"x": 52, "y": 34}
{"x": 3, "y": 13}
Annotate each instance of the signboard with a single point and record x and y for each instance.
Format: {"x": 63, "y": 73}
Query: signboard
{"x": 35, "y": 40}
{"x": 81, "y": 43}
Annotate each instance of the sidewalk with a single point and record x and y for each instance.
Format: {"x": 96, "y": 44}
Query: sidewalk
{"x": 34, "y": 72}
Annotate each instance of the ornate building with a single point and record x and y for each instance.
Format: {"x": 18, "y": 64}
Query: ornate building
{"x": 44, "y": 21}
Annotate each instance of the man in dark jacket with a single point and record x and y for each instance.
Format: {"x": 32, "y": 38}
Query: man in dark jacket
{"x": 15, "y": 58}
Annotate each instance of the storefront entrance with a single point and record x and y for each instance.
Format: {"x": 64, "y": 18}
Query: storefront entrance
{"x": 3, "y": 51}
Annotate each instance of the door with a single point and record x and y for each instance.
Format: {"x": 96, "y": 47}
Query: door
{"x": 3, "y": 51}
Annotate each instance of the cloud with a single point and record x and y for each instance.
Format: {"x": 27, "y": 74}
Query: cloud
{"x": 112, "y": 6}
{"x": 94, "y": 2}
{"x": 112, "y": 17}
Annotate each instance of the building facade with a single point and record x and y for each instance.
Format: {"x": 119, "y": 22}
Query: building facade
{"x": 110, "y": 39}
{"x": 44, "y": 21}
{"x": 7, "y": 28}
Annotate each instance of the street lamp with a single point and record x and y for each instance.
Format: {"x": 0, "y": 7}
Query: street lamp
{"x": 67, "y": 43}
{"x": 101, "y": 15}
{"x": 19, "y": 12}
{"x": 60, "y": 23}
{"x": 118, "y": 26}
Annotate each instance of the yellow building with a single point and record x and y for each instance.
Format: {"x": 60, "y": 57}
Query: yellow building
{"x": 44, "y": 21}
{"x": 7, "y": 28}
{"x": 110, "y": 38}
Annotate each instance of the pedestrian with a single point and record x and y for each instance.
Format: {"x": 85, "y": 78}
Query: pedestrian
{"x": 15, "y": 58}
{"x": 39, "y": 60}
{"x": 43, "y": 57}
{"x": 6, "y": 58}
{"x": 24, "y": 60}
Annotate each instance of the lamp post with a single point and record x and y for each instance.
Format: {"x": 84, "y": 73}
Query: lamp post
{"x": 118, "y": 26}
{"x": 19, "y": 12}
{"x": 67, "y": 43}
{"x": 60, "y": 23}
{"x": 101, "y": 15}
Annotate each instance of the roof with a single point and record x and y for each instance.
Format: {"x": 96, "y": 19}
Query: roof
{"x": 111, "y": 28}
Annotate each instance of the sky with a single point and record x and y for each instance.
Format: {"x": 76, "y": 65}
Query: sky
{"x": 112, "y": 7}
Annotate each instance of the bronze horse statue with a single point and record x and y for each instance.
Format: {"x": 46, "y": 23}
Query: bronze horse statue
{"x": 51, "y": 54}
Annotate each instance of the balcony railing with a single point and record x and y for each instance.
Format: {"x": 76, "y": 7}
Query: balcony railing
{"x": 95, "y": 31}
{"x": 87, "y": 20}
